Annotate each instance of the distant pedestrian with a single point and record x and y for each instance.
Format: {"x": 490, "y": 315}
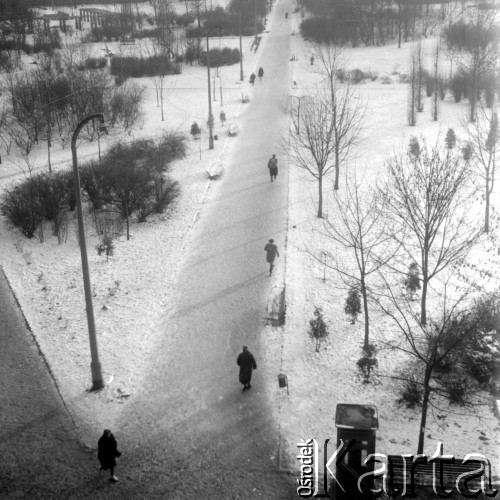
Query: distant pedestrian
{"x": 107, "y": 452}
{"x": 286, "y": 15}
{"x": 312, "y": 60}
{"x": 252, "y": 78}
{"x": 261, "y": 72}
{"x": 247, "y": 363}
{"x": 271, "y": 253}
{"x": 272, "y": 165}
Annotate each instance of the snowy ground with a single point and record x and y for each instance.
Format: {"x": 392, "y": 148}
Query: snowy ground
{"x": 47, "y": 277}
{"x": 318, "y": 381}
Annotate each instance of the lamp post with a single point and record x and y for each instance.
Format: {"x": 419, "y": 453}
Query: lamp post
{"x": 210, "y": 117}
{"x": 241, "y": 50}
{"x": 95, "y": 365}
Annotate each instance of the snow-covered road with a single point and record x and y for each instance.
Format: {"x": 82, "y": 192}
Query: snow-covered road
{"x": 190, "y": 421}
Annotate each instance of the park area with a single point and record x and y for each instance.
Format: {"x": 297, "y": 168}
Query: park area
{"x": 377, "y": 310}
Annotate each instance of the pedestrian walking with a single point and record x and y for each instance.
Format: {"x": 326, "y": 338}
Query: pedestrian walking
{"x": 271, "y": 253}
{"x": 261, "y": 72}
{"x": 252, "y": 78}
{"x": 272, "y": 165}
{"x": 247, "y": 363}
{"x": 107, "y": 452}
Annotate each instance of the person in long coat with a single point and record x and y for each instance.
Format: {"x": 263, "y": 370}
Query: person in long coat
{"x": 247, "y": 363}
{"x": 271, "y": 253}
{"x": 272, "y": 165}
{"x": 107, "y": 452}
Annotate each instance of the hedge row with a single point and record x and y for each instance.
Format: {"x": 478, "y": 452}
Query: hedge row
{"x": 136, "y": 67}
{"x": 221, "y": 57}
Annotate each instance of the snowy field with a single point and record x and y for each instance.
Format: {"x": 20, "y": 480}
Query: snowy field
{"x": 130, "y": 290}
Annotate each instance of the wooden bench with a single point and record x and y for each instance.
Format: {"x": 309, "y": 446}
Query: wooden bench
{"x": 425, "y": 476}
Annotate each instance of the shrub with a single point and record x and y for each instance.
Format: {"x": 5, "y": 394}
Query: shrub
{"x": 137, "y": 67}
{"x": 9, "y": 61}
{"x": 21, "y": 207}
{"x": 429, "y": 82}
{"x": 414, "y": 149}
{"x": 106, "y": 246}
{"x": 404, "y": 78}
{"x": 357, "y": 76}
{"x": 458, "y": 86}
{"x": 195, "y": 130}
{"x": 456, "y": 389}
{"x": 410, "y": 391}
{"x": 170, "y": 192}
{"x": 353, "y": 304}
{"x": 221, "y": 57}
{"x": 481, "y": 354}
{"x": 94, "y": 63}
{"x": 386, "y": 80}
{"x": 489, "y": 88}
{"x": 130, "y": 177}
{"x": 412, "y": 280}
{"x": 104, "y": 33}
{"x": 51, "y": 192}
{"x": 450, "y": 139}
{"x": 341, "y": 75}
{"x": 325, "y": 29}
{"x": 467, "y": 152}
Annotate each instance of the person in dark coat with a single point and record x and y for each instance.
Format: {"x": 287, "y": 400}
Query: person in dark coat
{"x": 271, "y": 253}
{"x": 247, "y": 363}
{"x": 261, "y": 72}
{"x": 107, "y": 452}
{"x": 272, "y": 165}
{"x": 252, "y": 78}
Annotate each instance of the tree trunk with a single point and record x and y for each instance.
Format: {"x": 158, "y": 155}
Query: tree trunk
{"x": 161, "y": 99}
{"x": 399, "y": 24}
{"x": 487, "y": 209}
{"x": 425, "y": 403}
{"x": 320, "y": 196}
{"x": 337, "y": 171}
{"x": 365, "y": 307}
{"x": 127, "y": 221}
{"x": 423, "y": 302}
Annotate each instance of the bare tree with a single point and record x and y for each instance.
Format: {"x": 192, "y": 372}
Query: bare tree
{"x": 435, "y": 95}
{"x": 413, "y": 89}
{"x": 426, "y": 193}
{"x": 196, "y": 6}
{"x": 477, "y": 40}
{"x": 430, "y": 346}
{"x": 347, "y": 110}
{"x": 483, "y": 143}
{"x": 311, "y": 143}
{"x": 360, "y": 227}
{"x": 330, "y": 59}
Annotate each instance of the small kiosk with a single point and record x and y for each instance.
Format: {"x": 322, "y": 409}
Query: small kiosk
{"x": 358, "y": 423}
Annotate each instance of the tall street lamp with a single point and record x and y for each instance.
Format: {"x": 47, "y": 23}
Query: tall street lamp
{"x": 210, "y": 117}
{"x": 241, "y": 50}
{"x": 95, "y": 365}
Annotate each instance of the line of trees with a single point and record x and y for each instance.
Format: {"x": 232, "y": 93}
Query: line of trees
{"x": 412, "y": 232}
{"x": 47, "y": 102}
{"x": 368, "y": 22}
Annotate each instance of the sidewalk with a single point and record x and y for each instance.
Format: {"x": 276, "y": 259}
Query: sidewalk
{"x": 40, "y": 456}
